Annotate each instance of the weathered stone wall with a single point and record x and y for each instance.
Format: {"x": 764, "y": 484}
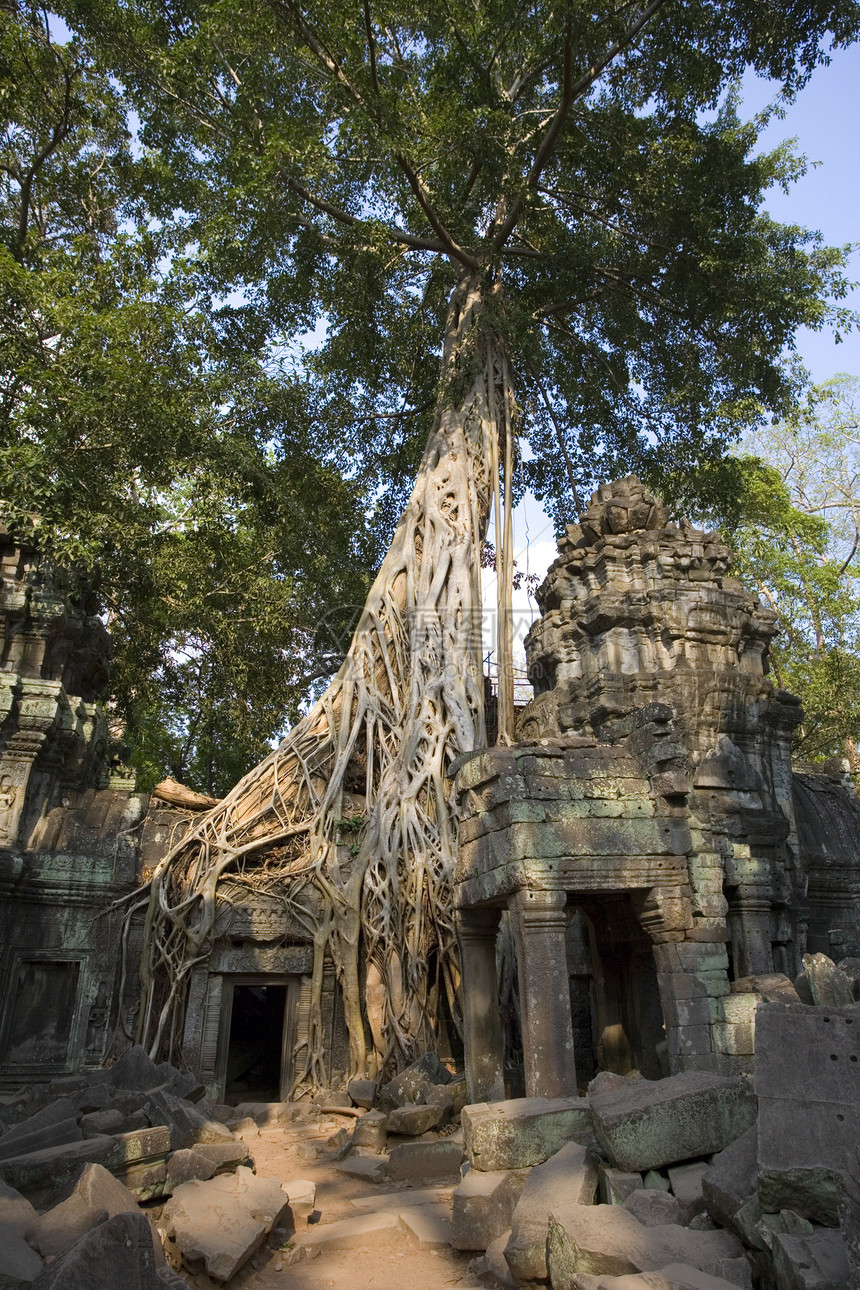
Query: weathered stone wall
{"x": 69, "y": 824}
{"x": 654, "y": 776}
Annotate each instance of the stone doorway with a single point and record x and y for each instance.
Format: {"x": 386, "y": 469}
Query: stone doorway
{"x": 258, "y": 1027}
{"x": 616, "y": 1012}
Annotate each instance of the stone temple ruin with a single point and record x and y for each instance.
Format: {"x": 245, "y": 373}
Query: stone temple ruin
{"x": 641, "y": 877}
{"x": 647, "y": 838}
{"x": 645, "y": 844}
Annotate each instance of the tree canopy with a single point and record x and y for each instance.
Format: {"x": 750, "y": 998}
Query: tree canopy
{"x": 149, "y": 441}
{"x": 796, "y": 533}
{"x": 341, "y": 163}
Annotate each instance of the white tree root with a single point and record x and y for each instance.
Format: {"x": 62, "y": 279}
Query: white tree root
{"x": 366, "y": 872}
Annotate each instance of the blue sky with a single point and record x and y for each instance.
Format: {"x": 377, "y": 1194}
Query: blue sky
{"x": 825, "y": 120}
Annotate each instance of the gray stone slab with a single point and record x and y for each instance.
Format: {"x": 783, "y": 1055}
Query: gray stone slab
{"x": 412, "y": 1121}
{"x": 652, "y": 1123}
{"x": 187, "y": 1126}
{"x": 362, "y": 1092}
{"x": 677, "y": 1276}
{"x": 116, "y": 1255}
{"x": 39, "y": 1139}
{"x": 52, "y": 1170}
{"x": 17, "y": 1215}
{"x": 732, "y": 1178}
{"x": 418, "y": 1160}
{"x": 19, "y": 1262}
{"x": 55, "y": 1113}
{"x": 606, "y": 1239}
{"x": 815, "y": 1262}
{"x": 567, "y": 1178}
{"x": 655, "y": 1208}
{"x": 523, "y": 1131}
{"x": 809, "y": 1108}
{"x": 371, "y": 1131}
{"x": 218, "y": 1224}
{"x": 483, "y": 1205}
{"x": 374, "y": 1230}
{"x": 615, "y": 1185}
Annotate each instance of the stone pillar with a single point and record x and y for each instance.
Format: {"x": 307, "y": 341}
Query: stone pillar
{"x": 539, "y": 925}
{"x": 751, "y": 923}
{"x": 476, "y": 932}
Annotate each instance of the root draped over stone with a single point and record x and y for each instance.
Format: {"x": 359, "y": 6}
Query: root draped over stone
{"x": 349, "y": 822}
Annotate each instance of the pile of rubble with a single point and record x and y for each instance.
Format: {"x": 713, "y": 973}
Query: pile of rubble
{"x": 693, "y": 1182}
{"x": 84, "y": 1177}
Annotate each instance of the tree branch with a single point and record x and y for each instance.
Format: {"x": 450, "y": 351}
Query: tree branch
{"x": 571, "y": 90}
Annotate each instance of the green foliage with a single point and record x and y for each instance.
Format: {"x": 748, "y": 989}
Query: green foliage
{"x": 296, "y": 166}
{"x": 142, "y": 438}
{"x": 795, "y": 532}
{"x": 346, "y": 162}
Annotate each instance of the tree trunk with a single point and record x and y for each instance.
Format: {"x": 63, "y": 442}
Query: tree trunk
{"x": 372, "y": 867}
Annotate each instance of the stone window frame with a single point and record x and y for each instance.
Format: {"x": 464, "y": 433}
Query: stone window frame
{"x": 21, "y": 1071}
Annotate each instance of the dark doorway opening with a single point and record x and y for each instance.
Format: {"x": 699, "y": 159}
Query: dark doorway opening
{"x": 255, "y": 1050}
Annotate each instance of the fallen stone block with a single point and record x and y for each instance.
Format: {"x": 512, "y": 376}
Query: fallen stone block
{"x": 815, "y": 1262}
{"x": 54, "y": 1115}
{"x": 607, "y": 1239}
{"x": 99, "y": 1189}
{"x": 615, "y": 1185}
{"x": 117, "y": 1255}
{"x": 185, "y": 1166}
{"x": 411, "y": 1085}
{"x": 429, "y": 1228}
{"x": 412, "y": 1121}
{"x": 653, "y": 1180}
{"x": 187, "y": 1126}
{"x": 677, "y": 1276}
{"x": 302, "y": 1195}
{"x": 773, "y": 987}
{"x": 47, "y": 1172}
{"x": 110, "y": 1120}
{"x": 655, "y": 1208}
{"x": 738, "y": 1272}
{"x": 483, "y": 1205}
{"x": 830, "y": 987}
{"x": 19, "y": 1263}
{"x": 732, "y": 1179}
{"x": 17, "y": 1215}
{"x": 367, "y": 1230}
{"x": 567, "y": 1178}
{"x": 522, "y": 1132}
{"x": 45, "y": 1137}
{"x": 94, "y": 1197}
{"x": 226, "y": 1156}
{"x": 652, "y": 1123}
{"x": 493, "y": 1266}
{"x": 686, "y": 1183}
{"x": 373, "y": 1167}
{"x": 245, "y": 1128}
{"x": 362, "y": 1092}
{"x": 371, "y": 1131}
{"x": 809, "y": 1111}
{"x": 416, "y": 1160}
{"x": 217, "y": 1225}
{"x": 59, "y": 1228}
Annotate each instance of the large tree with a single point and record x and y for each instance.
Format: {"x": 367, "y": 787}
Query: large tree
{"x": 150, "y": 439}
{"x": 513, "y": 219}
{"x": 795, "y": 530}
